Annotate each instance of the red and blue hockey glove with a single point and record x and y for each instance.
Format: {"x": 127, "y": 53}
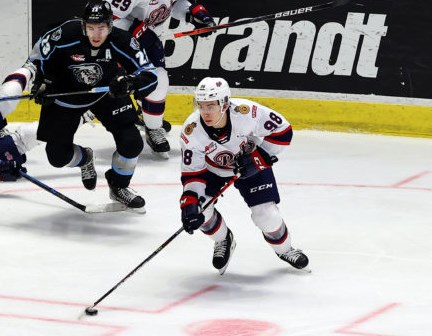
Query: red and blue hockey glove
{"x": 200, "y": 18}
{"x": 248, "y": 164}
{"x": 191, "y": 216}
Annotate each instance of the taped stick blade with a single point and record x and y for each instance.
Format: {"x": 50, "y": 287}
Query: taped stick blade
{"x": 101, "y": 208}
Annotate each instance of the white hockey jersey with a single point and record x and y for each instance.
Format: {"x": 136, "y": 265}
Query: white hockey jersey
{"x": 249, "y": 124}
{"x": 152, "y": 12}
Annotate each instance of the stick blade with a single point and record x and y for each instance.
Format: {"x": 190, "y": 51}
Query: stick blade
{"x": 108, "y": 207}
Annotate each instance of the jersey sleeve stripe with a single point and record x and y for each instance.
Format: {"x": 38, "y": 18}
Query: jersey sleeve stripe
{"x": 280, "y": 138}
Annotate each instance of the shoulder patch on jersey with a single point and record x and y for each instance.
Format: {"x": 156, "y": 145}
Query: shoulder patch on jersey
{"x": 135, "y": 44}
{"x": 55, "y": 36}
{"x": 243, "y": 109}
{"x": 189, "y": 128}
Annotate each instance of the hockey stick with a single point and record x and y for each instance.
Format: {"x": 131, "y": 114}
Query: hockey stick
{"x": 100, "y": 89}
{"x": 93, "y": 311}
{"x": 280, "y": 15}
{"x": 93, "y": 208}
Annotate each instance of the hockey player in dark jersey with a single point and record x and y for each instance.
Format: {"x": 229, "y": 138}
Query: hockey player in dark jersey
{"x": 79, "y": 55}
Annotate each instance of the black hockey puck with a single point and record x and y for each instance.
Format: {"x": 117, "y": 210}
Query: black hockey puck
{"x": 91, "y": 311}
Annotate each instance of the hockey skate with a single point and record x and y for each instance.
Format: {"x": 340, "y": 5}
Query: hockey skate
{"x": 223, "y": 251}
{"x": 88, "y": 171}
{"x": 155, "y": 138}
{"x": 126, "y": 196}
{"x": 295, "y": 257}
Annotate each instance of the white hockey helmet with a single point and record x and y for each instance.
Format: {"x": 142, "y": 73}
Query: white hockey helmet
{"x": 213, "y": 88}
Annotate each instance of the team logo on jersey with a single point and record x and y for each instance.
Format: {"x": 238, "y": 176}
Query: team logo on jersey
{"x": 189, "y": 128}
{"x": 158, "y": 16}
{"x": 210, "y": 148}
{"x": 224, "y": 159}
{"x": 135, "y": 44}
{"x": 56, "y": 35}
{"x": 87, "y": 73}
{"x": 254, "y": 109}
{"x": 243, "y": 109}
{"x": 78, "y": 58}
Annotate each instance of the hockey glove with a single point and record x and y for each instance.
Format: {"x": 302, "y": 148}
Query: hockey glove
{"x": 200, "y": 18}
{"x": 143, "y": 83}
{"x": 191, "y": 217}
{"x": 121, "y": 86}
{"x": 248, "y": 164}
{"x": 41, "y": 87}
{"x": 10, "y": 167}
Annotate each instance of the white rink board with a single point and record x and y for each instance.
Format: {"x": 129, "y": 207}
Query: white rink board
{"x": 15, "y": 35}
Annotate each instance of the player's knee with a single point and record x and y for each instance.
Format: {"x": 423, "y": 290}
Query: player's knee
{"x": 209, "y": 213}
{"x": 266, "y": 217}
{"x": 161, "y": 90}
{"x": 129, "y": 142}
{"x": 59, "y": 155}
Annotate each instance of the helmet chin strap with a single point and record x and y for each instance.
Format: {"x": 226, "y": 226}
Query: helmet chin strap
{"x": 222, "y": 114}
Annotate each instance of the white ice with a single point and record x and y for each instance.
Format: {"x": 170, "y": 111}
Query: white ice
{"x": 360, "y": 206}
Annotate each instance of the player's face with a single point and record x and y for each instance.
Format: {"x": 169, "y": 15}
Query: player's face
{"x": 97, "y": 33}
{"x": 212, "y": 113}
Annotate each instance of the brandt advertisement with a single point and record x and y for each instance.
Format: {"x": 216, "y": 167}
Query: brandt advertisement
{"x": 380, "y": 47}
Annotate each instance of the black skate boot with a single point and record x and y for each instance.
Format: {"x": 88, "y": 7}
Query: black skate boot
{"x": 88, "y": 171}
{"x": 126, "y": 196}
{"x": 295, "y": 257}
{"x": 223, "y": 251}
{"x": 166, "y": 125}
{"x": 155, "y": 138}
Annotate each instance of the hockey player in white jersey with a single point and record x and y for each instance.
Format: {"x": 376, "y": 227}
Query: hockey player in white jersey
{"x": 14, "y": 144}
{"x": 145, "y": 19}
{"x": 14, "y": 85}
{"x": 222, "y": 137}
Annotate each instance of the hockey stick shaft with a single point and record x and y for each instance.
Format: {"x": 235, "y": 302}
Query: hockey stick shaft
{"x": 100, "y": 89}
{"x": 52, "y": 191}
{"x": 96, "y": 208}
{"x": 269, "y": 17}
{"x": 164, "y": 244}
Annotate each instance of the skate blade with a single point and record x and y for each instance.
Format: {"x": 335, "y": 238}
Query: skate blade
{"x": 306, "y": 270}
{"x": 140, "y": 211}
{"x": 223, "y": 269}
{"x": 162, "y": 155}
{"x": 101, "y": 208}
